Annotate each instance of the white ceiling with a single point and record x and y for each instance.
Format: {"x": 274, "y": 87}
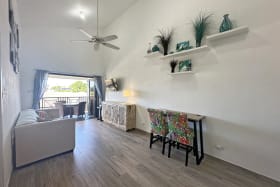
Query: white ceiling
{"x": 65, "y": 13}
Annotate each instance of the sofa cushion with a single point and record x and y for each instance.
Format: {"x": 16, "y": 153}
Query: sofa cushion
{"x": 29, "y": 112}
{"x": 27, "y": 117}
{"x": 48, "y": 114}
{"x": 43, "y": 116}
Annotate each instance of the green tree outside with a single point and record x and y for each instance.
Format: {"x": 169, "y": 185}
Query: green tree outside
{"x": 76, "y": 87}
{"x": 79, "y": 86}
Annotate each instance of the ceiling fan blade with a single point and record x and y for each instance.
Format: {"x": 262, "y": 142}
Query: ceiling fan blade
{"x": 111, "y": 46}
{"x": 96, "y": 46}
{"x": 80, "y": 41}
{"x": 109, "y": 38}
{"x": 87, "y": 34}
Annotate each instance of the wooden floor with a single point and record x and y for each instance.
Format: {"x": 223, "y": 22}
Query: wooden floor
{"x": 105, "y": 156}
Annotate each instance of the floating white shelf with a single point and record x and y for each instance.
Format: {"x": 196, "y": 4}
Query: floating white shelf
{"x": 153, "y": 55}
{"x": 181, "y": 73}
{"x": 185, "y": 53}
{"x": 228, "y": 34}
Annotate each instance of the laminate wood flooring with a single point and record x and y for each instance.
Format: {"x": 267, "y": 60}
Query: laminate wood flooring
{"x": 106, "y": 156}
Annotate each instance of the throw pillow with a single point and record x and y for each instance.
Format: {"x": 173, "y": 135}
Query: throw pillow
{"x": 43, "y": 116}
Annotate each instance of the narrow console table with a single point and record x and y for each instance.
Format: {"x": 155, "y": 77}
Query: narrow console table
{"x": 121, "y": 115}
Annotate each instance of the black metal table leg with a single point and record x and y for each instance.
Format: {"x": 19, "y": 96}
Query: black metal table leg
{"x": 195, "y": 143}
{"x": 199, "y": 157}
{"x": 201, "y": 141}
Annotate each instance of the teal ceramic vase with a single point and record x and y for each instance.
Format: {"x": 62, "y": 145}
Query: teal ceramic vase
{"x": 226, "y": 24}
{"x": 155, "y": 48}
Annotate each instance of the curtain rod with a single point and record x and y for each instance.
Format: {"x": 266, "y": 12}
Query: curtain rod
{"x": 69, "y": 74}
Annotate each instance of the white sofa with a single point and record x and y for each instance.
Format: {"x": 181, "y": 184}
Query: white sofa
{"x": 35, "y": 141}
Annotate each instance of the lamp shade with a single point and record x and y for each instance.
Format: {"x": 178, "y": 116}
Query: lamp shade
{"x": 127, "y": 93}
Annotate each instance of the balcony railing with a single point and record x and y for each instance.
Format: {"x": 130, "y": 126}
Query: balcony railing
{"x": 48, "y": 102}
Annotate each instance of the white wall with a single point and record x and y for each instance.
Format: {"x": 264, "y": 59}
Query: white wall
{"x": 51, "y": 49}
{"x": 236, "y": 84}
{"x": 10, "y": 96}
{"x": 1, "y": 129}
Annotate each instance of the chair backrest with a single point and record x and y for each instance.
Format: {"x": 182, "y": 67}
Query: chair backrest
{"x": 66, "y": 110}
{"x": 179, "y": 128}
{"x": 158, "y": 122}
{"x": 81, "y": 109}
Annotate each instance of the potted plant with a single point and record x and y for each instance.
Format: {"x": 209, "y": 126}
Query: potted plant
{"x": 200, "y": 27}
{"x": 164, "y": 39}
{"x": 173, "y": 65}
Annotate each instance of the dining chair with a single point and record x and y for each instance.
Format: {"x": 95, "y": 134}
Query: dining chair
{"x": 81, "y": 109}
{"x": 159, "y": 128}
{"x": 179, "y": 133}
{"x": 67, "y": 111}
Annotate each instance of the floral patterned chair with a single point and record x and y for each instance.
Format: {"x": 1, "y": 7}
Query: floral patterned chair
{"x": 179, "y": 132}
{"x": 159, "y": 128}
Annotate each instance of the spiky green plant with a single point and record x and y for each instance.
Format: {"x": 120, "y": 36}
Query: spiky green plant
{"x": 201, "y": 26}
{"x": 164, "y": 39}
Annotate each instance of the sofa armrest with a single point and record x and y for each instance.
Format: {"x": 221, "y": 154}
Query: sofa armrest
{"x": 37, "y": 141}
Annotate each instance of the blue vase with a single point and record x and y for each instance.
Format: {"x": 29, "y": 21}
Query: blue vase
{"x": 226, "y": 24}
{"x": 155, "y": 48}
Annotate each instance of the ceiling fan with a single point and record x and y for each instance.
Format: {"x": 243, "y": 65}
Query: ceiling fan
{"x": 97, "y": 40}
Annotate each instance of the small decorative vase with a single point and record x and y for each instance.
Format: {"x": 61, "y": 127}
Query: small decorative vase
{"x": 226, "y": 24}
{"x": 155, "y": 48}
{"x": 173, "y": 65}
{"x": 149, "y": 49}
{"x": 165, "y": 49}
{"x": 198, "y": 43}
{"x": 189, "y": 68}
